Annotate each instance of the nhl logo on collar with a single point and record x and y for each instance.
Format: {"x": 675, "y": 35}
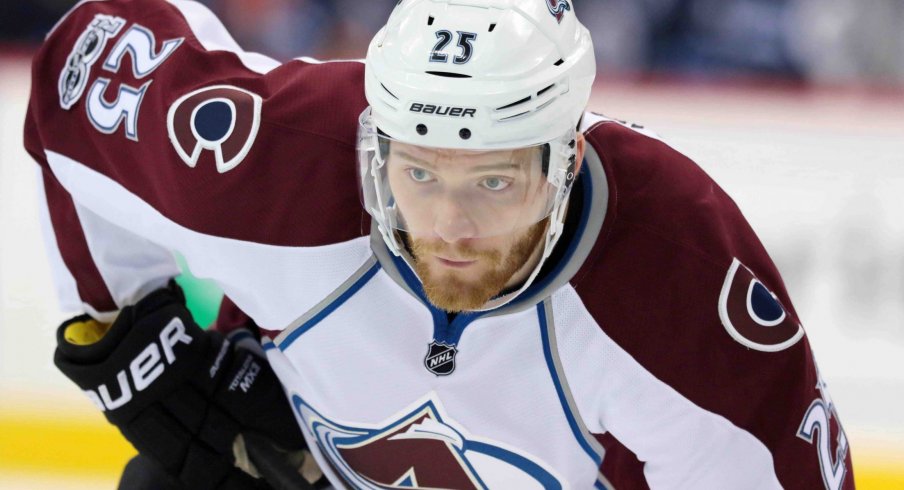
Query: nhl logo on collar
{"x": 440, "y": 358}
{"x": 222, "y": 119}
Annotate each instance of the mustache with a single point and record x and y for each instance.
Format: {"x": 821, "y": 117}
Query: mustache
{"x": 460, "y": 252}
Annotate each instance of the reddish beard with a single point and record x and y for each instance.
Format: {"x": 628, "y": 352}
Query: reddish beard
{"x": 453, "y": 293}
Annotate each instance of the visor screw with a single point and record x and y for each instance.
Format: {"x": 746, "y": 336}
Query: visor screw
{"x": 465, "y": 133}
{"x": 421, "y": 129}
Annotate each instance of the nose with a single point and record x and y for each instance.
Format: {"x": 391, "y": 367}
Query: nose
{"x": 452, "y": 222}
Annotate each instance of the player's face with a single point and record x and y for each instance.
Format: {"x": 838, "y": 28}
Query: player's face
{"x": 474, "y": 219}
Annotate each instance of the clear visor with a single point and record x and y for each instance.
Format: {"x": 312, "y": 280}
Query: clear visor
{"x": 456, "y": 194}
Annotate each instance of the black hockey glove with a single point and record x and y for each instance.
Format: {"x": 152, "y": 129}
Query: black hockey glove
{"x": 180, "y": 395}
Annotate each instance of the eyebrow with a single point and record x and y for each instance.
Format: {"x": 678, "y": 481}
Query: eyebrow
{"x": 415, "y": 160}
{"x": 479, "y": 168}
{"x": 496, "y": 166}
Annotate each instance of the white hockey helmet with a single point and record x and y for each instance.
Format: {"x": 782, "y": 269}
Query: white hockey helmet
{"x": 520, "y": 71}
{"x": 476, "y": 76}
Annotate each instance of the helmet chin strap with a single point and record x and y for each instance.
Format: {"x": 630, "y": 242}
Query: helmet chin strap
{"x": 383, "y": 224}
{"x": 379, "y": 212}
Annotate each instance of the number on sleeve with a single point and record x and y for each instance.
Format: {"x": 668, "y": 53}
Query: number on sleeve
{"x": 816, "y": 427}
{"x": 139, "y": 42}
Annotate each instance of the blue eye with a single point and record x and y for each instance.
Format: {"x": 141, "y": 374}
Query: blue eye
{"x": 495, "y": 183}
{"x": 419, "y": 175}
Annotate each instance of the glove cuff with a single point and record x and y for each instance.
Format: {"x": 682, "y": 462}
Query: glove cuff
{"x": 99, "y": 351}
{"x": 89, "y": 353}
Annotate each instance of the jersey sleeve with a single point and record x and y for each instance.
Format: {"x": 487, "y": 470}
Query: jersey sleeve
{"x": 97, "y": 267}
{"x": 156, "y": 133}
{"x": 723, "y": 390}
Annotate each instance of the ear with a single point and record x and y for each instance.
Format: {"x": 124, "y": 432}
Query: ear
{"x": 581, "y": 146}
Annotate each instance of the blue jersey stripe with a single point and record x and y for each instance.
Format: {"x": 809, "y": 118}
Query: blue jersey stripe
{"x": 572, "y": 422}
{"x": 348, "y": 293}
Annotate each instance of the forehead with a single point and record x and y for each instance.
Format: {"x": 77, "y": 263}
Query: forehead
{"x": 465, "y": 158}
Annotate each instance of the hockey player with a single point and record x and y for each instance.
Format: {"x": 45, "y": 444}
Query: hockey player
{"x": 533, "y": 296}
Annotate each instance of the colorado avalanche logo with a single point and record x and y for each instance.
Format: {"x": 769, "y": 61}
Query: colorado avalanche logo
{"x": 222, "y": 119}
{"x": 753, "y": 315}
{"x": 421, "y": 448}
{"x": 557, "y": 8}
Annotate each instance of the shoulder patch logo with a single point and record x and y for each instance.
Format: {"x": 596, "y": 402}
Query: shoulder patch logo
{"x": 753, "y": 315}
{"x": 222, "y": 118}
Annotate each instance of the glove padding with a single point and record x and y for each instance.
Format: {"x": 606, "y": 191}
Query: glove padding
{"x": 179, "y": 394}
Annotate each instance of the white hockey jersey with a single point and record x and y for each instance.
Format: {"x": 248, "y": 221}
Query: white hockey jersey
{"x": 658, "y": 348}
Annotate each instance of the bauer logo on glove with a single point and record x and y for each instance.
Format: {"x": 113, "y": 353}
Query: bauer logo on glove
{"x": 144, "y": 369}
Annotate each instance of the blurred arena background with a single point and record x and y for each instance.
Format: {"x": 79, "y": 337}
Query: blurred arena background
{"x": 796, "y": 107}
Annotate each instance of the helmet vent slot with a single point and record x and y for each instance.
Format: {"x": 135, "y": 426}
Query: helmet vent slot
{"x": 513, "y": 104}
{"x": 540, "y": 93}
{"x": 430, "y": 20}
{"x": 560, "y": 62}
{"x": 509, "y": 118}
{"x": 448, "y": 74}
{"x": 388, "y": 92}
{"x": 542, "y": 99}
{"x": 492, "y": 27}
{"x": 550, "y": 101}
